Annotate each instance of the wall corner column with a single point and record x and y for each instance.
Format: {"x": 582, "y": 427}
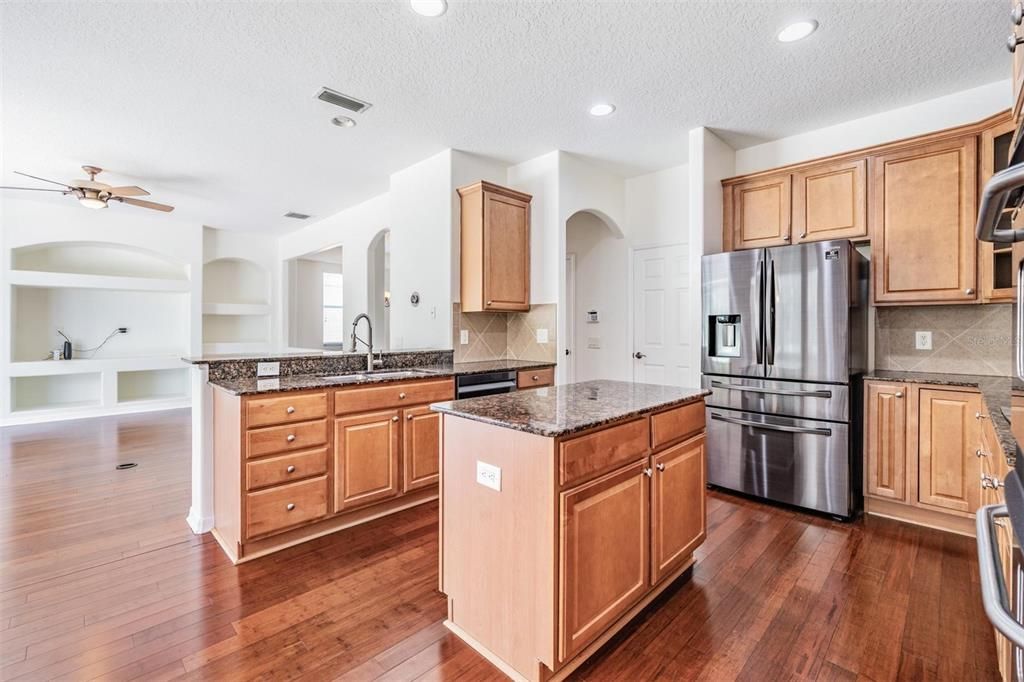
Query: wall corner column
{"x": 200, "y": 515}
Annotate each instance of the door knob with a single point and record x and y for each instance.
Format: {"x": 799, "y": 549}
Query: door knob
{"x": 639, "y": 356}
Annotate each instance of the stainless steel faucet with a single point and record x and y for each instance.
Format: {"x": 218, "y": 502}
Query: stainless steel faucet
{"x": 370, "y": 362}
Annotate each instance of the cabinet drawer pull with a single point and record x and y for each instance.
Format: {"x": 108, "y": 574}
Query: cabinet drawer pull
{"x": 290, "y": 469}
{"x": 289, "y": 506}
{"x": 401, "y": 396}
{"x": 290, "y": 438}
{"x": 535, "y": 377}
{"x": 290, "y": 410}
{"x": 661, "y": 466}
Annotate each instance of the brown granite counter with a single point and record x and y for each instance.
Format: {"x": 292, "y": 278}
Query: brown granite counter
{"x": 995, "y": 391}
{"x": 561, "y": 410}
{"x": 250, "y": 385}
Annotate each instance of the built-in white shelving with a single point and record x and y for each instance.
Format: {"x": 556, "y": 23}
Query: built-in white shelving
{"x": 236, "y": 309}
{"x": 69, "y": 280}
{"x": 56, "y": 392}
{"x": 136, "y": 386}
{"x": 236, "y": 306}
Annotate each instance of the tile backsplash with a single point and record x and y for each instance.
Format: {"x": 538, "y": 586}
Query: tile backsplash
{"x": 966, "y": 339}
{"x": 499, "y": 336}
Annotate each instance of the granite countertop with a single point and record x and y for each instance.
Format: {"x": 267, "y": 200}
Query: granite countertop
{"x": 562, "y": 410}
{"x": 305, "y": 382}
{"x": 995, "y": 391}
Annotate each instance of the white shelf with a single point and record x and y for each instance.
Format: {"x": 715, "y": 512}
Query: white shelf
{"x": 236, "y": 309}
{"x": 66, "y": 280}
{"x": 61, "y": 392}
{"x": 56, "y": 367}
{"x": 150, "y": 385}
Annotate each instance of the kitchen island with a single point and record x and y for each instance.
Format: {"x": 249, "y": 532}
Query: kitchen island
{"x": 565, "y": 511}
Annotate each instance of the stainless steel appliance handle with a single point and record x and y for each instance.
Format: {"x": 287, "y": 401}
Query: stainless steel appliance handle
{"x": 771, "y": 427}
{"x": 993, "y": 203}
{"x": 759, "y": 322}
{"x": 772, "y": 391}
{"x": 994, "y": 593}
{"x": 1019, "y": 350}
{"x": 769, "y": 344}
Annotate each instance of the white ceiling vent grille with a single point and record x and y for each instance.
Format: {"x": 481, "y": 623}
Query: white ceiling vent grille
{"x": 297, "y": 216}
{"x": 344, "y": 101}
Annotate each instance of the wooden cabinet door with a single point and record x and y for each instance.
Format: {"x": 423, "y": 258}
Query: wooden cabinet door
{"x": 923, "y": 207}
{"x": 678, "y": 506}
{"x": 885, "y": 449}
{"x": 830, "y": 202}
{"x": 365, "y": 459}
{"x": 604, "y": 563}
{"x": 761, "y": 212}
{"x": 421, "y": 447}
{"x": 506, "y": 247}
{"x": 996, "y": 274}
{"x": 948, "y": 438}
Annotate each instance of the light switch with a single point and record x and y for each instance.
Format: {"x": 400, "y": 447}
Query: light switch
{"x": 923, "y": 340}
{"x": 463, "y": 336}
{"x": 268, "y": 369}
{"x": 542, "y": 336}
{"x": 488, "y": 475}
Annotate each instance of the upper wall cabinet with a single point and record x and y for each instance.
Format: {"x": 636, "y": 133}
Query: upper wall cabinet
{"x": 830, "y": 202}
{"x": 758, "y": 214}
{"x": 923, "y": 208}
{"x": 495, "y": 248}
{"x": 996, "y": 274}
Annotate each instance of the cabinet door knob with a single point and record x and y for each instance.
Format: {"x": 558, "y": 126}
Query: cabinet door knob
{"x": 289, "y": 506}
{"x": 395, "y": 418}
{"x": 648, "y": 472}
{"x": 401, "y": 396}
{"x": 290, "y": 469}
{"x": 968, "y": 291}
{"x": 979, "y": 416}
{"x": 785, "y": 237}
{"x": 1017, "y": 14}
{"x": 899, "y": 394}
{"x": 290, "y": 438}
{"x": 535, "y": 377}
{"x": 408, "y": 417}
{"x": 290, "y": 410}
{"x": 980, "y": 453}
{"x": 489, "y": 303}
{"x": 1012, "y": 42}
{"x": 661, "y": 466}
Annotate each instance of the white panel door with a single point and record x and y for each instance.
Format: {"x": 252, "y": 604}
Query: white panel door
{"x": 662, "y": 352}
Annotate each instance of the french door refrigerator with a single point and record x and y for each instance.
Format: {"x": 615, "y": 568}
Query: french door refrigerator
{"x": 784, "y": 341}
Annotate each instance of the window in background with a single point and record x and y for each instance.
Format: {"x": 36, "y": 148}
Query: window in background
{"x": 334, "y": 332}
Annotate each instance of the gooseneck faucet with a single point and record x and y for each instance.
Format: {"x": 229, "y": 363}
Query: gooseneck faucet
{"x": 370, "y": 362}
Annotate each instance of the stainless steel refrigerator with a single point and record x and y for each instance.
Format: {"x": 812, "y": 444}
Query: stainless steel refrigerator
{"x": 784, "y": 341}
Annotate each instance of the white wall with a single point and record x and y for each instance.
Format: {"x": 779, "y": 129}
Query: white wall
{"x": 657, "y": 207}
{"x": 967, "y": 106}
{"x": 539, "y": 178}
{"x": 306, "y": 310}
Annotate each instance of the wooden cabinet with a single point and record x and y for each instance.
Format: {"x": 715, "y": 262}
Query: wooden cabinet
{"x": 924, "y": 201}
{"x": 285, "y": 506}
{"x": 535, "y": 378}
{"x": 830, "y": 202}
{"x": 948, "y": 439}
{"x": 604, "y": 554}
{"x": 421, "y": 447}
{"x": 996, "y": 274}
{"x": 495, "y": 248}
{"x": 758, "y": 212}
{"x": 678, "y": 506}
{"x": 885, "y": 441}
{"x": 365, "y": 459}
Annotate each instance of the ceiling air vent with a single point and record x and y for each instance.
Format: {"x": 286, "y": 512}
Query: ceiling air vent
{"x": 297, "y": 216}
{"x": 344, "y": 101}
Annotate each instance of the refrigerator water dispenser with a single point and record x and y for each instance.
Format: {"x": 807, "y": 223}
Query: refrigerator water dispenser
{"x": 725, "y": 336}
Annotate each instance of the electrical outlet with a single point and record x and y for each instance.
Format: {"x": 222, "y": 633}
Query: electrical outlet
{"x": 488, "y": 475}
{"x": 542, "y": 336}
{"x": 268, "y": 369}
{"x": 464, "y": 336}
{"x": 923, "y": 340}
{"x": 593, "y": 343}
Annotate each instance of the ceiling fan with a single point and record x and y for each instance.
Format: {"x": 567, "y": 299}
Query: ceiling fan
{"x": 93, "y": 194}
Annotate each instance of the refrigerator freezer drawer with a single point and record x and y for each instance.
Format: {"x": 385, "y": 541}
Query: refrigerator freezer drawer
{"x": 796, "y": 461}
{"x": 790, "y": 398}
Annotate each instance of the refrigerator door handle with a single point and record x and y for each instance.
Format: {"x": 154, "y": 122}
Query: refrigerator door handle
{"x": 769, "y": 305}
{"x": 771, "y": 427}
{"x": 994, "y": 590}
{"x": 772, "y": 391}
{"x": 759, "y": 322}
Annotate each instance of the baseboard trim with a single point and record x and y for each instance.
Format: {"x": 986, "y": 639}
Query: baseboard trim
{"x": 937, "y": 520}
{"x": 199, "y": 524}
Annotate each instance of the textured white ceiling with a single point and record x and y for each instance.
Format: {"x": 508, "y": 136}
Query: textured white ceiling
{"x": 210, "y": 105}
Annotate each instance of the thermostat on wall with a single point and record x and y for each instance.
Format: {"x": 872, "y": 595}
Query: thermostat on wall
{"x": 592, "y": 317}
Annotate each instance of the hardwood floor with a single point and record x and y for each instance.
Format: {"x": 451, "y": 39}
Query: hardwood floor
{"x": 101, "y": 578}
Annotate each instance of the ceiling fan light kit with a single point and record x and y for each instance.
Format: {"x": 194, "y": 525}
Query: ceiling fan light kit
{"x": 95, "y": 195}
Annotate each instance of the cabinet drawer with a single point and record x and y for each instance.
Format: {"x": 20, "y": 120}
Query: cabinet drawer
{"x": 595, "y": 453}
{"x": 535, "y": 378}
{"x": 677, "y": 423}
{"x": 284, "y": 506}
{"x": 398, "y": 394}
{"x": 285, "y": 468}
{"x": 285, "y": 409}
{"x": 285, "y": 438}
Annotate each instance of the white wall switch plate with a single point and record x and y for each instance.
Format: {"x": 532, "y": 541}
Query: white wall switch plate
{"x": 488, "y": 475}
{"x": 463, "y": 336}
{"x": 542, "y": 336}
{"x": 593, "y": 343}
{"x": 923, "y": 340}
{"x": 268, "y": 369}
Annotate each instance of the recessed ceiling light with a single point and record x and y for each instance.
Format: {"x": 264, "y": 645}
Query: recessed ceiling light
{"x": 602, "y": 109}
{"x": 797, "y": 31}
{"x": 429, "y": 8}
{"x": 344, "y": 122}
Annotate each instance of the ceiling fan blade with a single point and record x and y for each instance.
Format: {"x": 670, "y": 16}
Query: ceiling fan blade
{"x": 145, "y": 204}
{"x": 91, "y": 184}
{"x": 129, "y": 191}
{"x": 36, "y": 189}
{"x": 35, "y": 177}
